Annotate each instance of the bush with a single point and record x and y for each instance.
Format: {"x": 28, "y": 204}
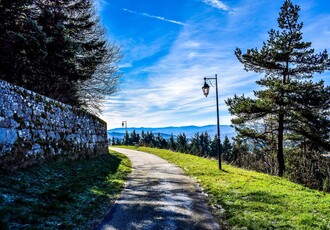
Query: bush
{"x": 308, "y": 168}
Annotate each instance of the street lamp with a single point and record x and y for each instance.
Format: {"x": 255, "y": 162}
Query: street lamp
{"x": 206, "y": 90}
{"x": 124, "y": 124}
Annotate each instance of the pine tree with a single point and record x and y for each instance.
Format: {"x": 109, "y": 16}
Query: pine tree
{"x": 97, "y": 60}
{"x": 21, "y": 43}
{"x": 150, "y": 139}
{"x": 143, "y": 138}
{"x": 182, "y": 143}
{"x": 214, "y": 147}
{"x": 134, "y": 138}
{"x": 300, "y": 106}
{"x": 80, "y": 64}
{"x": 172, "y": 144}
{"x": 127, "y": 139}
{"x": 206, "y": 144}
{"x": 227, "y": 149}
{"x": 58, "y": 48}
{"x": 195, "y": 146}
{"x": 160, "y": 142}
{"x": 239, "y": 151}
{"x": 59, "y": 72}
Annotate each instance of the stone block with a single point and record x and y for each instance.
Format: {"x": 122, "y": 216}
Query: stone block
{"x": 25, "y": 134}
{"x": 5, "y": 122}
{"x": 3, "y": 136}
{"x": 11, "y": 136}
{"x": 8, "y": 136}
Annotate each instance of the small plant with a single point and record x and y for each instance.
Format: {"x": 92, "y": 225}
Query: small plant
{"x": 326, "y": 185}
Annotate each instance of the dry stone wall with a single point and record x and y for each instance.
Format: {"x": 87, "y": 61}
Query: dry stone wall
{"x": 34, "y": 128}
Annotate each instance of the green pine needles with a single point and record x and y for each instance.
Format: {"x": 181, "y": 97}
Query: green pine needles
{"x": 292, "y": 109}
{"x": 58, "y": 49}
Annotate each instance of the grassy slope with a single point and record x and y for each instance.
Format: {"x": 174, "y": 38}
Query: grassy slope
{"x": 56, "y": 195}
{"x": 252, "y": 200}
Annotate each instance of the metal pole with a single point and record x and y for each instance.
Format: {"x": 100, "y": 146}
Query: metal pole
{"x": 126, "y": 135}
{"x": 126, "y": 132}
{"x": 218, "y": 121}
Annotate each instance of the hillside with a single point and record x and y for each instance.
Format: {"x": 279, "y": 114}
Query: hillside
{"x": 190, "y": 131}
{"x": 252, "y": 200}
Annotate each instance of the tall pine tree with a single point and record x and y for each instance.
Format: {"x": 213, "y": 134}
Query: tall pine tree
{"x": 227, "y": 149}
{"x": 58, "y": 48}
{"x": 97, "y": 60}
{"x": 299, "y": 105}
{"x": 21, "y": 43}
{"x": 80, "y": 63}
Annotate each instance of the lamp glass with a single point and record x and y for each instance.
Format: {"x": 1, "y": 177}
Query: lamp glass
{"x": 206, "y": 89}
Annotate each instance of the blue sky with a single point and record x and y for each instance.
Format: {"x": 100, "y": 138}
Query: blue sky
{"x": 169, "y": 46}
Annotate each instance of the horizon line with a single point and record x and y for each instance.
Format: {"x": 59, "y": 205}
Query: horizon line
{"x": 168, "y": 126}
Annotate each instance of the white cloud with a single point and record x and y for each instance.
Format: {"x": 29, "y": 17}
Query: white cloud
{"x": 217, "y": 4}
{"x": 156, "y": 17}
{"x": 100, "y": 4}
{"x": 320, "y": 37}
{"x": 172, "y": 95}
{"x": 169, "y": 93}
{"x": 125, "y": 65}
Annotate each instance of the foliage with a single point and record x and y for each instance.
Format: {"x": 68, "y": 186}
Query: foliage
{"x": 21, "y": 42}
{"x": 312, "y": 170}
{"x": 161, "y": 142}
{"x": 182, "y": 143}
{"x": 62, "y": 195}
{"x": 299, "y": 106}
{"x": 214, "y": 147}
{"x": 226, "y": 149}
{"x": 250, "y": 200}
{"x": 171, "y": 143}
{"x": 148, "y": 139}
{"x": 58, "y": 49}
{"x": 201, "y": 144}
{"x": 307, "y": 168}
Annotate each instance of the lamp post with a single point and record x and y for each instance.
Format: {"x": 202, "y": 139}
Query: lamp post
{"x": 124, "y": 124}
{"x": 206, "y": 90}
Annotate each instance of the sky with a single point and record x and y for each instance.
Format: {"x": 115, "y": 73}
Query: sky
{"x": 169, "y": 46}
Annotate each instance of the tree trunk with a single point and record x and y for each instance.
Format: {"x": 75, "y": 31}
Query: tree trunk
{"x": 280, "y": 155}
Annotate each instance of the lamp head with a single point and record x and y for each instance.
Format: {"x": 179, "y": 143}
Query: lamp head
{"x": 206, "y": 88}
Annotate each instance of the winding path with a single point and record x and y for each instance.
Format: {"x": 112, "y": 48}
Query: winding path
{"x": 158, "y": 196}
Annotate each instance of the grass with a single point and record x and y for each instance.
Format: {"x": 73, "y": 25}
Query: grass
{"x": 250, "y": 200}
{"x": 62, "y": 195}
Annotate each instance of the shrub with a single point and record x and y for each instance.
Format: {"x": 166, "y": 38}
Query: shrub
{"x": 309, "y": 168}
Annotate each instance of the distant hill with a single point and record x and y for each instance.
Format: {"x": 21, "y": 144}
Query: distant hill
{"x": 190, "y": 131}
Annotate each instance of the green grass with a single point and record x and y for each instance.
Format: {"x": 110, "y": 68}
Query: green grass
{"x": 62, "y": 195}
{"x": 251, "y": 200}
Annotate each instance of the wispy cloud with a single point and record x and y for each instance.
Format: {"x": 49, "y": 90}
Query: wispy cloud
{"x": 100, "y": 4}
{"x": 171, "y": 94}
{"x": 217, "y": 4}
{"x": 167, "y": 91}
{"x": 155, "y": 17}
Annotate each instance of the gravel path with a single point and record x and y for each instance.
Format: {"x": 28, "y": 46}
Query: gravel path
{"x": 158, "y": 196}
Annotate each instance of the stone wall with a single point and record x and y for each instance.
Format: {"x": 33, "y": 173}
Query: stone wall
{"x": 34, "y": 128}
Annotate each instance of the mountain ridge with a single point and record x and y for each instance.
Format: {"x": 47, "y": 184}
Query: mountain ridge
{"x": 166, "y": 132}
